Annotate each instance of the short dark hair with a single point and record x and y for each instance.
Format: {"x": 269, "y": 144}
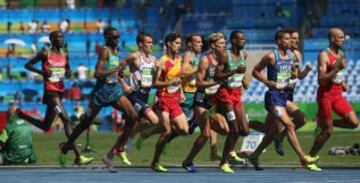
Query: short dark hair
{"x": 279, "y": 34}
{"x": 233, "y": 34}
{"x": 53, "y": 34}
{"x": 108, "y": 30}
{"x": 190, "y": 37}
{"x": 171, "y": 37}
{"x": 141, "y": 37}
{"x": 291, "y": 30}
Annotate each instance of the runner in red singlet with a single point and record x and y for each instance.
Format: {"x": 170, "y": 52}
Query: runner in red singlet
{"x": 331, "y": 67}
{"x": 55, "y": 67}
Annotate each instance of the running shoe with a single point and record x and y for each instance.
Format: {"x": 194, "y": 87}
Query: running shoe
{"x": 191, "y": 168}
{"x": 109, "y": 164}
{"x": 124, "y": 159}
{"x": 158, "y": 168}
{"x": 310, "y": 160}
{"x": 226, "y": 168}
{"x": 235, "y": 159}
{"x": 85, "y": 160}
{"x": 313, "y": 167}
{"x": 255, "y": 163}
{"x": 62, "y": 156}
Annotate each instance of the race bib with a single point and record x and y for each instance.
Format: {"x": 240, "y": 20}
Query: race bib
{"x": 235, "y": 80}
{"x": 146, "y": 81}
{"x": 339, "y": 77}
{"x": 173, "y": 89}
{"x": 212, "y": 89}
{"x": 146, "y": 77}
{"x": 57, "y": 74}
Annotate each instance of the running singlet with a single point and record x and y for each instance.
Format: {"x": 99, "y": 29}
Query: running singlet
{"x": 281, "y": 71}
{"x": 334, "y": 87}
{"x": 210, "y": 73}
{"x": 143, "y": 77}
{"x": 56, "y": 63}
{"x": 171, "y": 72}
{"x": 189, "y": 84}
{"x": 111, "y": 63}
{"x": 234, "y": 81}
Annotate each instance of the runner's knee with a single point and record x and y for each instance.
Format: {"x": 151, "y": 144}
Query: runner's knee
{"x": 299, "y": 118}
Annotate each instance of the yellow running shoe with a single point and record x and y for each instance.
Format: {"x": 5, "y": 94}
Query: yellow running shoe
{"x": 313, "y": 167}
{"x": 85, "y": 160}
{"x": 226, "y": 168}
{"x": 124, "y": 159}
{"x": 311, "y": 160}
{"x": 235, "y": 159}
{"x": 158, "y": 168}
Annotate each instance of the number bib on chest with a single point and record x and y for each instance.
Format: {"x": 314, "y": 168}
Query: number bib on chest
{"x": 212, "y": 89}
{"x": 339, "y": 77}
{"x": 146, "y": 78}
{"x": 57, "y": 74}
{"x": 235, "y": 80}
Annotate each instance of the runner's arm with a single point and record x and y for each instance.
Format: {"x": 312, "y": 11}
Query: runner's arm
{"x": 220, "y": 74}
{"x": 257, "y": 71}
{"x": 324, "y": 77}
{"x": 157, "y": 81}
{"x": 201, "y": 73}
{"x": 185, "y": 72}
{"x": 41, "y": 56}
{"x": 99, "y": 70}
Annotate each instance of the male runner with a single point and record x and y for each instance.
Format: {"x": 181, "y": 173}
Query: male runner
{"x": 331, "y": 67}
{"x": 55, "y": 67}
{"x": 207, "y": 87}
{"x": 188, "y": 74}
{"x": 279, "y": 64}
{"x": 142, "y": 71}
{"x": 170, "y": 95}
{"x": 107, "y": 91}
{"x": 230, "y": 72}
{"x": 298, "y": 116}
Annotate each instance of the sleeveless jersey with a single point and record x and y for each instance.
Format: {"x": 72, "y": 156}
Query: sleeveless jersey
{"x": 210, "y": 74}
{"x": 334, "y": 86}
{"x": 189, "y": 84}
{"x": 143, "y": 77}
{"x": 171, "y": 72}
{"x": 282, "y": 70}
{"x": 56, "y": 63}
{"x": 234, "y": 81}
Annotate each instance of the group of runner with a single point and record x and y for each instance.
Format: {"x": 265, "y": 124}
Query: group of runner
{"x": 198, "y": 89}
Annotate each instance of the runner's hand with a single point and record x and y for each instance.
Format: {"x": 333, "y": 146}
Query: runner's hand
{"x": 46, "y": 74}
{"x": 308, "y": 67}
{"x": 175, "y": 82}
{"x": 241, "y": 69}
{"x": 270, "y": 84}
{"x": 128, "y": 89}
